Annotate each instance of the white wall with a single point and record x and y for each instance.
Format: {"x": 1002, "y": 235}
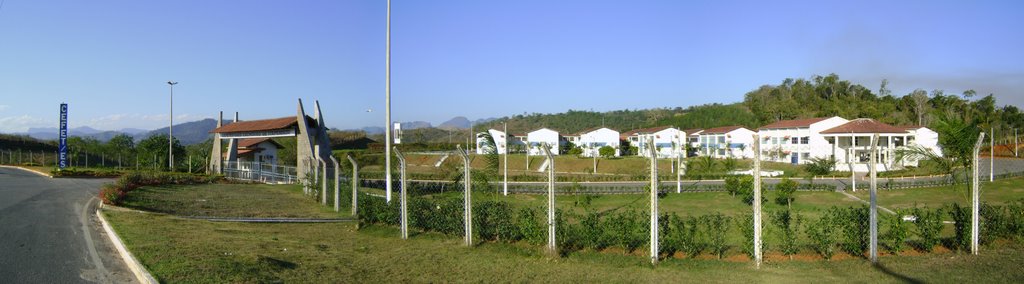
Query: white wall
{"x": 927, "y": 138}
{"x": 499, "y": 141}
{"x": 773, "y": 141}
{"x": 736, "y": 144}
{"x": 667, "y": 142}
{"x": 594, "y": 140}
{"x": 542, "y": 136}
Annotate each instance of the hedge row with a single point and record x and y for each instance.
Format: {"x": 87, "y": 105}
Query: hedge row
{"x": 837, "y": 229}
{"x": 114, "y": 193}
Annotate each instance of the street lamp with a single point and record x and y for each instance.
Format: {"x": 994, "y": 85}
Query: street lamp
{"x": 170, "y": 130}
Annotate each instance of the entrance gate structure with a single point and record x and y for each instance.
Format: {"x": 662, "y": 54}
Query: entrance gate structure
{"x": 312, "y": 144}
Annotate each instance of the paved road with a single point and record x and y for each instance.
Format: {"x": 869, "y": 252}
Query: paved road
{"x": 49, "y": 232}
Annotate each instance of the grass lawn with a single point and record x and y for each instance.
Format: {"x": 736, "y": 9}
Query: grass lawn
{"x": 998, "y": 192}
{"x": 190, "y": 251}
{"x": 230, "y": 200}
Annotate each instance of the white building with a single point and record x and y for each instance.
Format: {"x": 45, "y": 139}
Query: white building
{"x": 667, "y": 139}
{"x": 922, "y": 136}
{"x": 592, "y": 140}
{"x": 482, "y": 147}
{"x": 797, "y": 141}
{"x": 727, "y": 141}
{"x": 535, "y": 139}
{"x": 851, "y": 144}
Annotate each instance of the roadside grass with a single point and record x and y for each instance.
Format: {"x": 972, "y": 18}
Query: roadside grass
{"x": 230, "y": 200}
{"x": 997, "y": 192}
{"x": 193, "y": 251}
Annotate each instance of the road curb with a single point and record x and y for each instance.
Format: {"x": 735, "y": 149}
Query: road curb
{"x": 27, "y": 169}
{"x": 134, "y": 265}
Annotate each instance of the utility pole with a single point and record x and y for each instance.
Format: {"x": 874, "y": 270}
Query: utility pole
{"x": 992, "y": 155}
{"x": 504, "y": 129}
{"x": 680, "y": 167}
{"x": 387, "y": 110}
{"x": 170, "y": 130}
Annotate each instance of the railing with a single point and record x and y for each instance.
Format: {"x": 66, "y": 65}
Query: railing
{"x": 260, "y": 172}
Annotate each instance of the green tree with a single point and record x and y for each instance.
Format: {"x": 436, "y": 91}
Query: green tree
{"x": 153, "y": 150}
{"x": 785, "y": 192}
{"x": 606, "y": 151}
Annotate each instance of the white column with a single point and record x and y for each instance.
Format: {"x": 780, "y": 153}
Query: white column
{"x": 975, "y": 196}
{"x": 873, "y": 218}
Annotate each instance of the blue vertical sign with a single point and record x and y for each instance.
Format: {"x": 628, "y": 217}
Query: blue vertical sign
{"x": 63, "y": 136}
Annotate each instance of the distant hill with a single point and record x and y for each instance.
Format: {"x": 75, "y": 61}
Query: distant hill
{"x": 188, "y": 133}
{"x": 371, "y": 130}
{"x": 415, "y": 125}
{"x": 11, "y": 142}
{"x": 458, "y": 122}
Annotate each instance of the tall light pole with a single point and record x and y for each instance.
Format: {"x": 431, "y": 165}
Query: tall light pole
{"x": 504, "y": 128}
{"x": 170, "y": 130}
{"x": 387, "y": 110}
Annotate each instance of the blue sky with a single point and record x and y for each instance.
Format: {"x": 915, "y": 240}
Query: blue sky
{"x": 110, "y": 59}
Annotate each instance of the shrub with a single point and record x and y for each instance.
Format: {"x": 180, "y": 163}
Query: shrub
{"x": 693, "y": 240}
{"x": 789, "y": 230}
{"x": 928, "y": 225}
{"x": 133, "y": 180}
{"x": 746, "y": 226}
{"x": 784, "y": 192}
{"x": 820, "y": 166}
{"x": 822, "y": 235}
{"x": 961, "y": 227}
{"x": 855, "y": 224}
{"x": 529, "y": 227}
{"x": 606, "y": 151}
{"x": 896, "y": 236}
{"x": 491, "y": 222}
{"x": 716, "y": 226}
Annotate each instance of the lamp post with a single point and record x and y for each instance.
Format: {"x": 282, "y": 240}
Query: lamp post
{"x": 387, "y": 110}
{"x": 170, "y": 130}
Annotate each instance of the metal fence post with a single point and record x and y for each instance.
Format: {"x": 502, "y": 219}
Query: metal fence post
{"x": 975, "y": 196}
{"x": 654, "y": 199}
{"x": 404, "y": 214}
{"x": 551, "y": 247}
{"x": 757, "y": 201}
{"x": 355, "y": 183}
{"x": 874, "y": 199}
{"x": 468, "y": 205}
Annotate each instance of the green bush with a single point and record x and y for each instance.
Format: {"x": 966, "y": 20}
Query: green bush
{"x": 855, "y": 225}
{"x": 114, "y": 193}
{"x": 746, "y": 226}
{"x": 784, "y": 192}
{"x": 928, "y": 225}
{"x": 822, "y": 235}
{"x": 716, "y": 226}
{"x": 492, "y": 222}
{"x": 788, "y": 224}
{"x": 897, "y": 234}
{"x": 961, "y": 227}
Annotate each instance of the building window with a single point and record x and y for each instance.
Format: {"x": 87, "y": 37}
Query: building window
{"x": 805, "y": 140}
{"x": 794, "y": 140}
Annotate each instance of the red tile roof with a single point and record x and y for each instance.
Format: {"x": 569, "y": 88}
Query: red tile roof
{"x": 645, "y": 130}
{"x": 588, "y": 130}
{"x": 721, "y": 130}
{"x": 793, "y": 123}
{"x": 258, "y": 125}
{"x": 251, "y": 142}
{"x": 910, "y": 127}
{"x": 864, "y": 125}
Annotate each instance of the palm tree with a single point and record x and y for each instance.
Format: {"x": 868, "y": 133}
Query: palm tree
{"x": 956, "y": 137}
